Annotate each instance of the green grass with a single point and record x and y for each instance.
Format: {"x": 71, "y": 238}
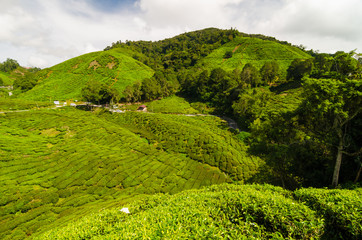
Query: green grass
{"x": 218, "y": 212}
{"x": 65, "y": 80}
{"x": 57, "y": 165}
{"x": 251, "y": 50}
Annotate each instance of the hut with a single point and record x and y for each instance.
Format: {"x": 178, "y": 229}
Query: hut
{"x": 142, "y": 108}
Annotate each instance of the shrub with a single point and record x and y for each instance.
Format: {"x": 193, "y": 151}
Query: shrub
{"x": 340, "y": 208}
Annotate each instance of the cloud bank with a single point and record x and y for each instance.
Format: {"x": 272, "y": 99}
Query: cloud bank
{"x": 45, "y": 32}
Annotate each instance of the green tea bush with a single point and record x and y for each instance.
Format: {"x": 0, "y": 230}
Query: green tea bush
{"x": 67, "y": 161}
{"x": 65, "y": 80}
{"x": 200, "y": 138}
{"x": 217, "y": 212}
{"x": 340, "y": 208}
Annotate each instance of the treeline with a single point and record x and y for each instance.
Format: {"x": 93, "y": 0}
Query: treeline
{"x": 179, "y": 52}
{"x": 8, "y": 65}
{"x": 184, "y": 50}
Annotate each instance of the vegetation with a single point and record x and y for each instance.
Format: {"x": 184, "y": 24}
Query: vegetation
{"x": 9, "y": 65}
{"x": 172, "y": 104}
{"x": 226, "y": 212}
{"x": 62, "y": 163}
{"x": 66, "y": 80}
{"x": 8, "y": 104}
{"x": 298, "y": 125}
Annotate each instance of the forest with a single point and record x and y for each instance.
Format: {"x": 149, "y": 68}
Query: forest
{"x": 289, "y": 170}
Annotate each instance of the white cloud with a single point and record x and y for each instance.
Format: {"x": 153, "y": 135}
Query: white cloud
{"x": 47, "y": 32}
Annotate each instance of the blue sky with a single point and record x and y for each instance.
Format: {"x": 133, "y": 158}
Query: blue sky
{"x": 43, "y": 33}
{"x": 113, "y": 5}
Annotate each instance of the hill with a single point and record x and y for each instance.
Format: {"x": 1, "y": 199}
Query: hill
{"x": 227, "y": 212}
{"x": 58, "y": 164}
{"x": 65, "y": 80}
{"x": 251, "y": 50}
{"x": 123, "y": 64}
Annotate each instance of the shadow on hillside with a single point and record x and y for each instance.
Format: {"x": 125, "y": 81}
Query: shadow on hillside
{"x": 84, "y": 107}
{"x": 286, "y": 86}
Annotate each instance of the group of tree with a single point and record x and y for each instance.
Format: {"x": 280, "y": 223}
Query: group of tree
{"x": 306, "y": 145}
{"x": 99, "y": 93}
{"x": 220, "y": 88}
{"x": 9, "y": 65}
{"x": 158, "y": 86}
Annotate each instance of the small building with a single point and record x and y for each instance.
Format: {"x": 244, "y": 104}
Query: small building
{"x": 56, "y": 102}
{"x": 142, "y": 108}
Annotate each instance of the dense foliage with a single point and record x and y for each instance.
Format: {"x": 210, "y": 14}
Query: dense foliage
{"x": 62, "y": 163}
{"x": 227, "y": 212}
{"x": 9, "y": 65}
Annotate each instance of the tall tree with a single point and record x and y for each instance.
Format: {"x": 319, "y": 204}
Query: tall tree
{"x": 97, "y": 92}
{"x": 8, "y": 65}
{"x": 299, "y": 68}
{"x": 270, "y": 72}
{"x": 250, "y": 75}
{"x": 328, "y": 108}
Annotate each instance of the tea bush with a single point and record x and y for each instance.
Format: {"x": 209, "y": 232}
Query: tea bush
{"x": 340, "y": 208}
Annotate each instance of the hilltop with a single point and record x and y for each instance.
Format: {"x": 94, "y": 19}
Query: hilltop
{"x": 124, "y": 64}
{"x": 66, "y": 80}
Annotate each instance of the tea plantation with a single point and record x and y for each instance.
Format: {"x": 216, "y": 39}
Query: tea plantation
{"x": 227, "y": 212}
{"x": 58, "y": 164}
{"x": 251, "y": 50}
{"x": 65, "y": 80}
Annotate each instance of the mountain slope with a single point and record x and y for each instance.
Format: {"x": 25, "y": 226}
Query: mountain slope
{"x": 251, "y": 50}
{"x": 65, "y": 80}
{"x": 58, "y": 164}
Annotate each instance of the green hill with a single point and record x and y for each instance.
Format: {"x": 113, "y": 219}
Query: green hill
{"x": 65, "y": 80}
{"x": 251, "y": 50}
{"x": 58, "y": 164}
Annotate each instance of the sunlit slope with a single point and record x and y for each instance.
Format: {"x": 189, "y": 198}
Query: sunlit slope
{"x": 59, "y": 164}
{"x": 65, "y": 80}
{"x": 252, "y": 50}
{"x": 227, "y": 212}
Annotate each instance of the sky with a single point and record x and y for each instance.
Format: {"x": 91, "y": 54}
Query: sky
{"x": 42, "y": 33}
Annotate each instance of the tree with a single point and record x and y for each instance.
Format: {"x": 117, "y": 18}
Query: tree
{"x": 97, "y": 92}
{"x": 133, "y": 93}
{"x": 299, "y": 68}
{"x": 25, "y": 83}
{"x": 1, "y": 81}
{"x": 151, "y": 89}
{"x": 228, "y": 54}
{"x": 250, "y": 75}
{"x": 344, "y": 64}
{"x": 327, "y": 110}
{"x": 8, "y": 65}
{"x": 270, "y": 72}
